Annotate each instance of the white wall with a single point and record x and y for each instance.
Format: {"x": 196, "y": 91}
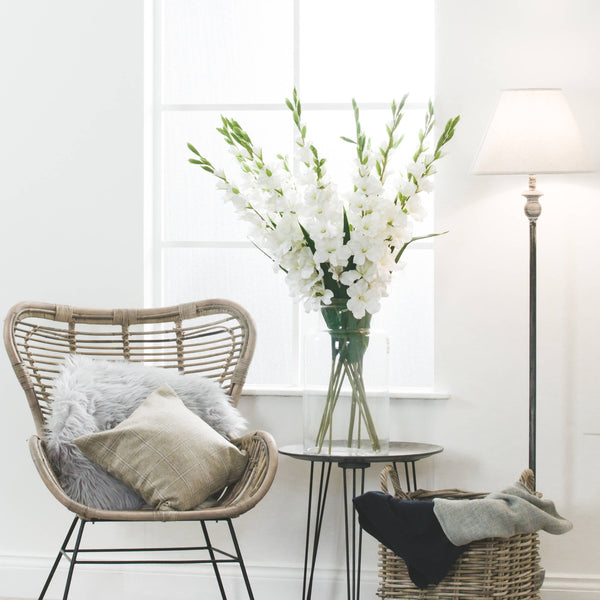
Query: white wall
{"x": 482, "y": 271}
{"x": 71, "y": 182}
{"x": 71, "y": 189}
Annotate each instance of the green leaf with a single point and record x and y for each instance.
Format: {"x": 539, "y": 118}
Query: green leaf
{"x": 398, "y": 141}
{"x": 193, "y": 150}
{"x": 267, "y": 255}
{"x": 331, "y": 283}
{"x": 346, "y": 227}
{"x": 307, "y": 238}
{"x": 421, "y": 237}
{"x": 348, "y": 140}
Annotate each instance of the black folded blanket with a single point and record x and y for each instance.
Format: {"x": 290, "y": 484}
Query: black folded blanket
{"x": 411, "y": 530}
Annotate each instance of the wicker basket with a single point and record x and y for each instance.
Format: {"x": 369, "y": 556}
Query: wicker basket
{"x": 507, "y": 568}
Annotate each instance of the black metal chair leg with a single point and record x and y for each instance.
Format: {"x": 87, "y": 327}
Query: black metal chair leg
{"x": 73, "y": 560}
{"x": 209, "y": 547}
{"x": 58, "y": 557}
{"x": 72, "y": 554}
{"x": 241, "y": 560}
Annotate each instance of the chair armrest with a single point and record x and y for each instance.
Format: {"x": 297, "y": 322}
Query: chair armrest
{"x": 258, "y": 475}
{"x": 239, "y": 498}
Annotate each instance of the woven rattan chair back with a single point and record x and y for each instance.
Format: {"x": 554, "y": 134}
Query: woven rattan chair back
{"x": 214, "y": 338}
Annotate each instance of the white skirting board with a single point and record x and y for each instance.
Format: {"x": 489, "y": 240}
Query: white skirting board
{"x": 23, "y": 577}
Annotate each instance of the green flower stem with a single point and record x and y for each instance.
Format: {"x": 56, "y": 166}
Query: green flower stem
{"x": 347, "y": 363}
{"x": 352, "y": 416}
{"x": 355, "y": 376}
{"x": 336, "y": 380}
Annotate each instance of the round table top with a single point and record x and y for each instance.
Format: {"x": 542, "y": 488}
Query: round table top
{"x": 398, "y": 452}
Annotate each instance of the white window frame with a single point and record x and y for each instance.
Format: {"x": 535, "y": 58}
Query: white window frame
{"x": 154, "y": 244}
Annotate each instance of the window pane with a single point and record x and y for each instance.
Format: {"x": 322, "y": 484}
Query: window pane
{"x": 372, "y": 51}
{"x": 246, "y": 277}
{"x": 232, "y": 52}
{"x": 193, "y": 208}
{"x": 227, "y": 51}
{"x": 407, "y": 316}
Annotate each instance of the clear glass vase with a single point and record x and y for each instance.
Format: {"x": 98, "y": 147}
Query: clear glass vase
{"x": 346, "y": 392}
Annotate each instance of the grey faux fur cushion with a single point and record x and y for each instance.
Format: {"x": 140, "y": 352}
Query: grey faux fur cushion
{"x": 92, "y": 395}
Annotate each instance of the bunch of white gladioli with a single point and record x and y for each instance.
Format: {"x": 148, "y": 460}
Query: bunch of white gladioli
{"x": 329, "y": 246}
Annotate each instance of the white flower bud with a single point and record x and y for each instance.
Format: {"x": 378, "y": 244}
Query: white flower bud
{"x": 416, "y": 169}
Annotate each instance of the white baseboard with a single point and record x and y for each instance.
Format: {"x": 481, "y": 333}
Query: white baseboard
{"x": 571, "y": 587}
{"x": 23, "y": 577}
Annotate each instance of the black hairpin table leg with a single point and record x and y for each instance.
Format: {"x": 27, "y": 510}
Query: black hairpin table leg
{"x": 307, "y": 580}
{"x": 353, "y": 469}
{"x": 353, "y": 530}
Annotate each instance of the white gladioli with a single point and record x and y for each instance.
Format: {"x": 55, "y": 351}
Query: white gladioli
{"x": 363, "y": 298}
{"x": 371, "y": 224}
{"x": 368, "y": 184}
{"x": 303, "y": 154}
{"x": 376, "y": 252}
{"x": 407, "y": 188}
{"x": 316, "y": 234}
{"x": 359, "y": 245}
{"x": 425, "y": 185}
{"x": 415, "y": 208}
{"x": 349, "y": 277}
{"x": 415, "y": 169}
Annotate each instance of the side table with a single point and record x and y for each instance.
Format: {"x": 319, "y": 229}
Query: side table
{"x": 399, "y": 452}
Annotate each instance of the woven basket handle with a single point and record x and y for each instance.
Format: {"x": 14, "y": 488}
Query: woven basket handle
{"x": 390, "y": 475}
{"x": 528, "y": 480}
{"x": 389, "y": 472}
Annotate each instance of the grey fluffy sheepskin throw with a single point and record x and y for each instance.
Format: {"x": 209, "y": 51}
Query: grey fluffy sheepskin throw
{"x": 93, "y": 395}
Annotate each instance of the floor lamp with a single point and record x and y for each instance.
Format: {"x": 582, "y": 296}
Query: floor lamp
{"x": 532, "y": 132}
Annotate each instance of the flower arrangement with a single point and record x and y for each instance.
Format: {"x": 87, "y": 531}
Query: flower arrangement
{"x": 335, "y": 250}
{"x": 329, "y": 246}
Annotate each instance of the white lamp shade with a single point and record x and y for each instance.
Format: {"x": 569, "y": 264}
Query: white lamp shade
{"x": 533, "y": 131}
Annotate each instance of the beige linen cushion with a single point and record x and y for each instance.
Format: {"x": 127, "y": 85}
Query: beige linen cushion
{"x": 167, "y": 454}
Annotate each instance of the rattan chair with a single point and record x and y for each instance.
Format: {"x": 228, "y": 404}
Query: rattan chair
{"x": 214, "y": 338}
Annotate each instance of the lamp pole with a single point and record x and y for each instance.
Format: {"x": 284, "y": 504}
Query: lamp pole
{"x": 539, "y": 125}
{"x": 533, "y": 209}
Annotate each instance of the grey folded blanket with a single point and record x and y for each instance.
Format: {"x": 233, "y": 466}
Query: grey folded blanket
{"x": 501, "y": 514}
